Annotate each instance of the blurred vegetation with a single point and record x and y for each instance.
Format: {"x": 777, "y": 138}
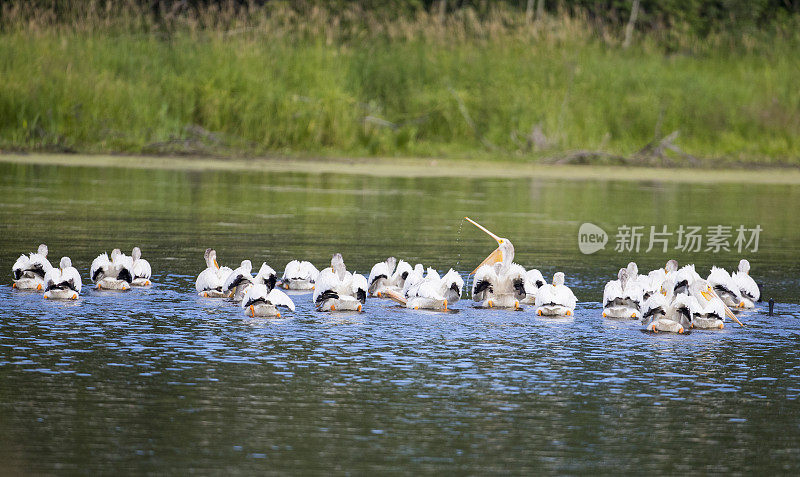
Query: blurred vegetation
{"x": 700, "y": 81}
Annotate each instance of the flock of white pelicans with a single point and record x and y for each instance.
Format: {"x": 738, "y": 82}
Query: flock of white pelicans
{"x": 668, "y": 299}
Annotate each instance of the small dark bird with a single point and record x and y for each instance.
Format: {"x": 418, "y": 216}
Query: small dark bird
{"x": 771, "y": 306}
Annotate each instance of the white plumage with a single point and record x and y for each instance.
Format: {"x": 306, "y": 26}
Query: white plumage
{"x": 433, "y": 292}
{"x": 141, "y": 269}
{"x": 339, "y": 290}
{"x": 710, "y": 310}
{"x": 721, "y": 282}
{"x": 239, "y": 280}
{"x": 210, "y": 281}
{"x": 556, "y": 299}
{"x": 29, "y": 271}
{"x": 112, "y": 274}
{"x": 533, "y": 281}
{"x": 299, "y": 275}
{"x": 259, "y": 300}
{"x": 748, "y": 288}
{"x": 63, "y": 283}
{"x": 623, "y": 297}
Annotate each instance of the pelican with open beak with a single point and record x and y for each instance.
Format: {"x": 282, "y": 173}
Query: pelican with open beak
{"x": 498, "y": 282}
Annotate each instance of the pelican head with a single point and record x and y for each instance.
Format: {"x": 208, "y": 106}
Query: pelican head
{"x": 115, "y": 253}
{"x": 504, "y": 253}
{"x": 64, "y": 263}
{"x": 672, "y": 266}
{"x": 136, "y": 253}
{"x": 744, "y": 266}
{"x": 42, "y": 250}
{"x": 667, "y": 288}
{"x": 622, "y": 275}
{"x": 247, "y": 265}
{"x": 391, "y": 262}
{"x": 337, "y": 264}
{"x": 211, "y": 258}
{"x": 633, "y": 270}
{"x": 558, "y": 279}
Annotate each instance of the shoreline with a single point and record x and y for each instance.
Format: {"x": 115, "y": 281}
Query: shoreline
{"x": 415, "y": 167}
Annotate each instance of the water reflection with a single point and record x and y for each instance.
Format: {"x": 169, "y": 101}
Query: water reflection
{"x": 159, "y": 380}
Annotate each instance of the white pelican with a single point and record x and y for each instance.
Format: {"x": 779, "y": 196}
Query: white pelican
{"x": 748, "y": 288}
{"x": 384, "y": 277}
{"x": 239, "y": 280}
{"x": 533, "y": 281}
{"x": 664, "y": 312}
{"x": 431, "y": 292}
{"x": 710, "y": 312}
{"x": 720, "y": 280}
{"x": 498, "y": 282}
{"x": 29, "y": 271}
{"x": 658, "y": 275}
{"x": 113, "y": 274}
{"x": 556, "y": 299}
{"x": 259, "y": 300}
{"x": 622, "y": 298}
{"x": 210, "y": 281}
{"x": 299, "y": 275}
{"x": 141, "y": 269}
{"x": 684, "y": 277}
{"x": 339, "y": 290}
{"x": 63, "y": 283}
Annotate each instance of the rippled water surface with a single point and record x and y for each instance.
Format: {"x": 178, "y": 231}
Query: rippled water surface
{"x": 159, "y": 380}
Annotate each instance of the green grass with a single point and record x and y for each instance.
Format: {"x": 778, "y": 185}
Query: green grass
{"x": 395, "y": 90}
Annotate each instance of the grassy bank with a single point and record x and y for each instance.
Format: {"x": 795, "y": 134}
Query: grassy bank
{"x": 271, "y": 82}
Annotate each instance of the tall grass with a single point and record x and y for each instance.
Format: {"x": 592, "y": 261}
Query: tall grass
{"x": 272, "y": 80}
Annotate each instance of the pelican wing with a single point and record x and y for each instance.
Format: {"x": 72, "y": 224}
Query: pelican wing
{"x": 71, "y": 276}
{"x": 52, "y": 278}
{"x": 428, "y": 289}
{"x": 255, "y": 294}
{"x": 326, "y": 286}
{"x": 141, "y": 269}
{"x": 20, "y": 266}
{"x": 279, "y": 298}
{"x": 546, "y": 296}
{"x": 612, "y": 291}
{"x": 516, "y": 278}
{"x": 291, "y": 271}
{"x": 484, "y": 282}
{"x": 208, "y": 280}
{"x": 533, "y": 281}
{"x": 101, "y": 268}
{"x": 657, "y": 302}
{"x": 453, "y": 285}
{"x": 39, "y": 265}
{"x": 359, "y": 286}
{"x": 309, "y": 271}
{"x": 379, "y": 270}
{"x": 236, "y": 278}
{"x": 565, "y": 297}
{"x": 746, "y": 285}
{"x": 267, "y": 276}
{"x": 720, "y": 280}
{"x": 401, "y": 273}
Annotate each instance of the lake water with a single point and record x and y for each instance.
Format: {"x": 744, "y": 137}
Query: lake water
{"x": 160, "y": 381}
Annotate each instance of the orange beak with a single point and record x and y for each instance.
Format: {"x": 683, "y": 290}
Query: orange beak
{"x": 494, "y": 257}
{"x": 215, "y": 263}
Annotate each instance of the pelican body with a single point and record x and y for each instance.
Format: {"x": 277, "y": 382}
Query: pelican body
{"x": 339, "y": 290}
{"x": 210, "y": 281}
{"x": 720, "y": 280}
{"x": 664, "y": 312}
{"x": 299, "y": 275}
{"x": 141, "y": 269}
{"x": 498, "y": 282}
{"x": 29, "y": 271}
{"x": 115, "y": 273}
{"x": 556, "y": 299}
{"x": 260, "y": 301}
{"x": 748, "y": 288}
{"x": 430, "y": 292}
{"x": 63, "y": 283}
{"x": 622, "y": 298}
{"x": 534, "y": 280}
